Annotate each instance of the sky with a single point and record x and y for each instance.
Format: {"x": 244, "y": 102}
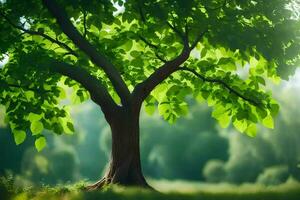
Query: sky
{"x": 3, "y": 61}
{"x": 294, "y": 81}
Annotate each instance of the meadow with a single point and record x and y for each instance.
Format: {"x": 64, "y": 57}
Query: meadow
{"x": 168, "y": 190}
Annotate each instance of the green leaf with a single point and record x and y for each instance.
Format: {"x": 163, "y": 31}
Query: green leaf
{"x": 79, "y": 96}
{"x": 224, "y": 61}
{"x": 62, "y": 93}
{"x": 268, "y": 122}
{"x": 261, "y": 112}
{"x": 41, "y": 30}
{"x": 19, "y": 136}
{"x": 116, "y": 97}
{"x": 150, "y": 108}
{"x": 183, "y": 109}
{"x": 135, "y": 54}
{"x": 253, "y": 62}
{"x": 36, "y": 127}
{"x": 128, "y": 45}
{"x": 211, "y": 101}
{"x": 274, "y": 109}
{"x": 240, "y": 125}
{"x": 199, "y": 98}
{"x": 241, "y": 114}
{"x": 224, "y": 121}
{"x": 34, "y": 117}
{"x": 137, "y": 62}
{"x": 261, "y": 80}
{"x": 40, "y": 143}
{"x": 251, "y": 130}
{"x": 164, "y": 108}
{"x": 171, "y": 118}
{"x": 159, "y": 91}
{"x": 29, "y": 94}
{"x": 70, "y": 126}
{"x": 203, "y": 52}
{"x": 220, "y": 113}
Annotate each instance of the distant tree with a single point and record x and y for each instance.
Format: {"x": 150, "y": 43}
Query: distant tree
{"x": 274, "y": 175}
{"x": 193, "y": 136}
{"x": 11, "y": 158}
{"x": 214, "y": 171}
{"x": 151, "y": 52}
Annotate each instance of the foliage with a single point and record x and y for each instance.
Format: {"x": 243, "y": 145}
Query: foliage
{"x": 214, "y": 171}
{"x": 273, "y": 175}
{"x": 11, "y": 157}
{"x": 251, "y": 159}
{"x": 110, "y": 46}
{"x": 49, "y": 167}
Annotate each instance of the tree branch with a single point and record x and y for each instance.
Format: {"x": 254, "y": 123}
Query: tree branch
{"x": 26, "y": 87}
{"x": 182, "y": 36}
{"x": 148, "y": 43}
{"x": 155, "y": 47}
{"x": 47, "y": 37}
{"x": 142, "y": 90}
{"x": 186, "y": 29}
{"x": 143, "y": 18}
{"x": 218, "y": 7}
{"x": 220, "y": 82}
{"x": 96, "y": 57}
{"x": 84, "y": 24}
{"x": 198, "y": 38}
{"x": 98, "y": 92}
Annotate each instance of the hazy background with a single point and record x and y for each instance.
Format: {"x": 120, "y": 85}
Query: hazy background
{"x": 194, "y": 149}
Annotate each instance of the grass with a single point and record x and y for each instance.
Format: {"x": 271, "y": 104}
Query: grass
{"x": 168, "y": 190}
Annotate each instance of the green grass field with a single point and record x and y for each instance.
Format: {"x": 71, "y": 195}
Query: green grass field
{"x": 167, "y": 190}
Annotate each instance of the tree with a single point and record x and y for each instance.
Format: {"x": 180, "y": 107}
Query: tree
{"x": 155, "y": 53}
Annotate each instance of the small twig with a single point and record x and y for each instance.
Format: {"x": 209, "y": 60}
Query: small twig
{"x": 47, "y": 37}
{"x": 148, "y": 43}
{"x": 186, "y": 29}
{"x": 143, "y": 18}
{"x": 216, "y": 8}
{"x": 26, "y": 88}
{"x": 220, "y": 82}
{"x": 84, "y": 24}
{"x": 153, "y": 46}
{"x": 183, "y": 37}
{"x": 160, "y": 58}
{"x": 198, "y": 38}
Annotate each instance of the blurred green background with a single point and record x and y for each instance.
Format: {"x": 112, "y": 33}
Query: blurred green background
{"x": 193, "y": 149}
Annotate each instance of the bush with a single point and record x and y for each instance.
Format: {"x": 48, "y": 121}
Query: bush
{"x": 50, "y": 167}
{"x": 274, "y": 175}
{"x": 214, "y": 171}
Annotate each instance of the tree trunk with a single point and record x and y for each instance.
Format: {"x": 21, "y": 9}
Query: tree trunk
{"x": 125, "y": 165}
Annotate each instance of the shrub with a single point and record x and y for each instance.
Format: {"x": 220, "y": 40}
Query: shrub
{"x": 274, "y": 175}
{"x": 214, "y": 171}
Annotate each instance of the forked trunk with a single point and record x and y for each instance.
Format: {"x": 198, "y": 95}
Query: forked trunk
{"x": 125, "y": 165}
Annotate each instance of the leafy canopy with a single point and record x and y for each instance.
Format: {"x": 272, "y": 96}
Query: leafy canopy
{"x": 237, "y": 45}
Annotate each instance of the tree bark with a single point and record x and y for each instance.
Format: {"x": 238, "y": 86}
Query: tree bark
{"x": 125, "y": 165}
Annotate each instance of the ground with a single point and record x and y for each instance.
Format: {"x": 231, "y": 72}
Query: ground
{"x": 168, "y": 190}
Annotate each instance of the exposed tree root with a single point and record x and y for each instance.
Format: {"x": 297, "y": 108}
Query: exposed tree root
{"x": 139, "y": 182}
{"x": 98, "y": 185}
